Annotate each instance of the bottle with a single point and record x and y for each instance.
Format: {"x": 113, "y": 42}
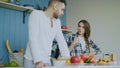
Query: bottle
{"x": 112, "y": 58}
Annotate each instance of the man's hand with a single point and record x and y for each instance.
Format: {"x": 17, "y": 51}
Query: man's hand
{"x": 39, "y": 65}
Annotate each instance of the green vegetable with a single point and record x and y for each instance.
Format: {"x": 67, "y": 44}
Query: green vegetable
{"x": 89, "y": 61}
{"x": 11, "y": 64}
{"x": 7, "y": 64}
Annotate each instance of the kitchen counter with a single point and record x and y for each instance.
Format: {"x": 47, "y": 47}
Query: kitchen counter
{"x": 59, "y": 65}
{"x": 78, "y": 66}
{"x": 84, "y": 67}
{"x": 100, "y": 66}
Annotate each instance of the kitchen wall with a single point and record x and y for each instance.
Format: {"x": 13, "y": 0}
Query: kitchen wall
{"x": 13, "y": 29}
{"x": 104, "y": 18}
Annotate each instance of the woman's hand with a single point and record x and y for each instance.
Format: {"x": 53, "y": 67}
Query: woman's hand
{"x": 76, "y": 40}
{"x": 39, "y": 65}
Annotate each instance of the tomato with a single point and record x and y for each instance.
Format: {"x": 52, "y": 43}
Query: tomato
{"x": 75, "y": 59}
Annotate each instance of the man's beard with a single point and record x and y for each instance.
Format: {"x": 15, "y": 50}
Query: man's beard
{"x": 56, "y": 15}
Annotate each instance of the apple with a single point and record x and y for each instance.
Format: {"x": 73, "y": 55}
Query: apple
{"x": 84, "y": 57}
{"x": 64, "y": 27}
{"x": 75, "y": 59}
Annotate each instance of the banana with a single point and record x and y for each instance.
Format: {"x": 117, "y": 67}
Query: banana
{"x": 8, "y": 46}
{"x": 103, "y": 61}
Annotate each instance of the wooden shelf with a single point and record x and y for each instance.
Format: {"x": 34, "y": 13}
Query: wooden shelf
{"x": 15, "y": 7}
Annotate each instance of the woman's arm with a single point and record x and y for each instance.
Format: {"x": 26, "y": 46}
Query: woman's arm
{"x": 72, "y": 40}
{"x": 95, "y": 47}
{"x": 73, "y": 44}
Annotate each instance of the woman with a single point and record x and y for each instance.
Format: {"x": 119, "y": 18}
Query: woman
{"x": 79, "y": 43}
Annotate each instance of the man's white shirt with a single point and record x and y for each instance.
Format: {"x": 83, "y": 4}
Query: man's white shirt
{"x": 41, "y": 36}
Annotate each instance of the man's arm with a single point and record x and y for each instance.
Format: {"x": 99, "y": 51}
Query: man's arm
{"x": 62, "y": 43}
{"x": 34, "y": 36}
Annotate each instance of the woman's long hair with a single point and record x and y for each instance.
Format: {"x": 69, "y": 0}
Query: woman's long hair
{"x": 87, "y": 32}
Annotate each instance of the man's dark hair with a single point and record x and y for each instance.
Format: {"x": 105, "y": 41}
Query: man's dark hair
{"x": 62, "y": 1}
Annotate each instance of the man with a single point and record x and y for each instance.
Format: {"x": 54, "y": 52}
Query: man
{"x": 44, "y": 27}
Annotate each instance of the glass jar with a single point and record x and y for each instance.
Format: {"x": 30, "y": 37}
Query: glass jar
{"x": 107, "y": 56}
